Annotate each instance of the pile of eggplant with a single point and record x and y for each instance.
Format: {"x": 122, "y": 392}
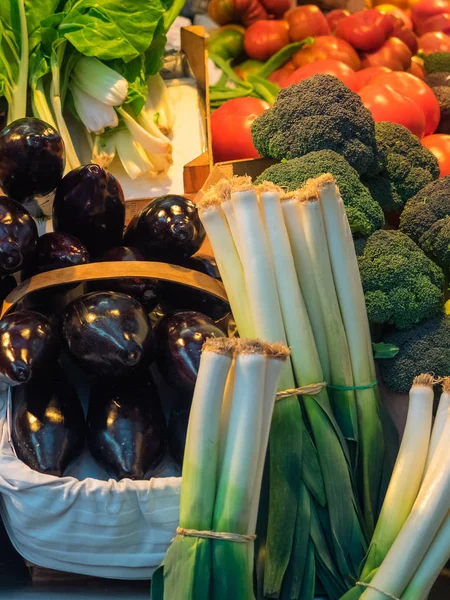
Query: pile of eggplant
{"x": 136, "y": 342}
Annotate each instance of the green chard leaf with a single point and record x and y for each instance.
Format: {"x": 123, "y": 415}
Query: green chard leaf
{"x": 384, "y": 350}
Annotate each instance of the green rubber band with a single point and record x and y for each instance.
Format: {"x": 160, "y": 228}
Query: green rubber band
{"x": 352, "y": 388}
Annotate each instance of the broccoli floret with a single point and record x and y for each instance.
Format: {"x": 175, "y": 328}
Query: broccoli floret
{"x": 404, "y": 167}
{"x": 423, "y": 349}
{"x": 364, "y": 214}
{"x": 319, "y": 113}
{"x": 438, "y": 79}
{"x": 442, "y": 94}
{"x": 401, "y": 285}
{"x": 429, "y": 205}
{"x": 437, "y": 62}
{"x": 435, "y": 242}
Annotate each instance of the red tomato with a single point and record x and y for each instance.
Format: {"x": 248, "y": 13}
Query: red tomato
{"x": 231, "y": 128}
{"x": 417, "y": 68}
{"x": 263, "y": 39}
{"x": 437, "y": 23}
{"x": 386, "y": 104}
{"x": 306, "y": 20}
{"x": 434, "y": 42}
{"x": 439, "y": 144}
{"x": 327, "y": 46}
{"x": 366, "y": 30}
{"x": 276, "y": 7}
{"x": 335, "y": 16}
{"x": 393, "y": 54}
{"x": 281, "y": 76}
{"x": 365, "y": 76}
{"x": 403, "y": 33}
{"x": 419, "y": 92}
{"x": 330, "y": 67}
{"x": 389, "y": 9}
{"x": 425, "y": 9}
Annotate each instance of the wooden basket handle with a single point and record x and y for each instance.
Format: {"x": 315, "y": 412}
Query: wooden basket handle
{"x": 114, "y": 270}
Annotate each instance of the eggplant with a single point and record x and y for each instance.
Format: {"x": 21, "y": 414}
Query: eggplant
{"x": 31, "y": 159}
{"x": 90, "y": 205}
{"x": 7, "y": 284}
{"x": 179, "y": 339}
{"x": 143, "y": 290}
{"x": 108, "y": 334}
{"x": 177, "y": 432}
{"x": 18, "y": 236}
{"x": 57, "y": 251}
{"x": 48, "y": 425}
{"x": 168, "y": 229}
{"x": 126, "y": 429}
{"x": 28, "y": 347}
{"x": 175, "y": 296}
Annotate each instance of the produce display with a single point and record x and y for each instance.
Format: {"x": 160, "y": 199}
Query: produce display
{"x": 280, "y": 340}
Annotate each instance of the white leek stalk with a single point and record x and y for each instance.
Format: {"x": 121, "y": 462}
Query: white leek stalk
{"x": 132, "y": 156}
{"x": 439, "y": 421}
{"x": 225, "y": 253}
{"x": 95, "y": 115}
{"x": 407, "y": 474}
{"x": 159, "y": 106}
{"x": 293, "y": 220}
{"x": 190, "y": 558}
{"x": 344, "y": 401}
{"x": 100, "y": 81}
{"x": 416, "y": 536}
{"x": 103, "y": 150}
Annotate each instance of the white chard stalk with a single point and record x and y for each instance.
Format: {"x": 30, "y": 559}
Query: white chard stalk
{"x": 159, "y": 104}
{"x": 132, "y": 156}
{"x": 417, "y": 534}
{"x": 103, "y": 150}
{"x": 100, "y": 81}
{"x": 95, "y": 115}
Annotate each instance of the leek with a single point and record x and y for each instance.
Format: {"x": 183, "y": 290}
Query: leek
{"x": 423, "y": 523}
{"x": 439, "y": 421}
{"x": 407, "y": 475}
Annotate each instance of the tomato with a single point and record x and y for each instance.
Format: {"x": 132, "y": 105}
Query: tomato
{"x": 434, "y": 42}
{"x": 417, "y": 67}
{"x": 263, "y": 39}
{"x": 231, "y": 128}
{"x": 276, "y": 7}
{"x": 386, "y": 104}
{"x": 365, "y": 76}
{"x": 366, "y": 30}
{"x": 335, "y": 16}
{"x": 327, "y": 46}
{"x": 306, "y": 20}
{"x": 281, "y": 76}
{"x": 403, "y": 33}
{"x": 390, "y": 9}
{"x": 419, "y": 92}
{"x": 439, "y": 144}
{"x": 330, "y": 67}
{"x": 425, "y": 9}
{"x": 403, "y": 4}
{"x": 393, "y": 54}
{"x": 437, "y": 23}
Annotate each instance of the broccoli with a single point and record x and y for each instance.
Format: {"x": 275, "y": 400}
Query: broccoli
{"x": 319, "y": 113}
{"x": 442, "y": 94}
{"x": 438, "y": 79}
{"x": 404, "y": 167}
{"x": 423, "y": 349}
{"x": 437, "y": 62}
{"x": 401, "y": 285}
{"x": 364, "y": 214}
{"x": 435, "y": 242}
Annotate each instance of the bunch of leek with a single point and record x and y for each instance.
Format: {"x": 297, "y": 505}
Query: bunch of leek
{"x": 290, "y": 292}
{"x": 223, "y": 464}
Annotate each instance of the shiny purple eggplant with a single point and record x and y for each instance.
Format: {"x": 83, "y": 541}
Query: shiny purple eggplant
{"x": 168, "y": 229}
{"x": 177, "y": 432}
{"x": 28, "y": 347}
{"x": 18, "y": 236}
{"x": 31, "y": 159}
{"x": 89, "y": 204}
{"x": 108, "y": 334}
{"x": 57, "y": 251}
{"x": 143, "y": 290}
{"x": 179, "y": 339}
{"x": 48, "y": 424}
{"x": 126, "y": 430}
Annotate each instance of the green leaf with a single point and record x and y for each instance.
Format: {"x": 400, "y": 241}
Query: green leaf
{"x": 172, "y": 10}
{"x": 36, "y": 12}
{"x": 384, "y": 350}
{"x": 155, "y": 53}
{"x": 134, "y": 73}
{"x": 111, "y": 29}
